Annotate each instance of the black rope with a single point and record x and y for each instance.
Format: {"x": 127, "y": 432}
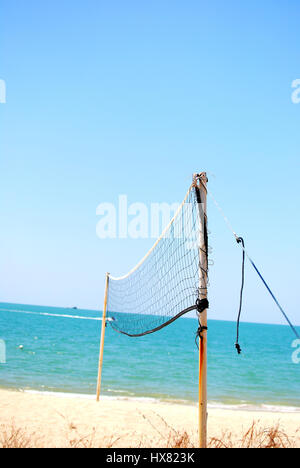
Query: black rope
{"x": 240, "y": 240}
{"x": 183, "y": 312}
{"x": 275, "y": 300}
{"x": 201, "y": 306}
{"x": 199, "y": 335}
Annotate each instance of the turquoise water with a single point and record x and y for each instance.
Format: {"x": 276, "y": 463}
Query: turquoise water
{"x": 60, "y": 354}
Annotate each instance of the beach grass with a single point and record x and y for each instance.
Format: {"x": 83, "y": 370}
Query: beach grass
{"x": 256, "y": 436}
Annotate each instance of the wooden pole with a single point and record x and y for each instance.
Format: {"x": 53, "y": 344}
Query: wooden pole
{"x": 202, "y": 184}
{"x": 102, "y": 338}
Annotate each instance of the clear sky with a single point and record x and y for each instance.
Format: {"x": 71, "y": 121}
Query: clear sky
{"x": 129, "y": 97}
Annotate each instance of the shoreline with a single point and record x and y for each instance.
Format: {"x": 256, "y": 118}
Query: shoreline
{"x": 52, "y": 421}
{"x": 268, "y": 408}
{"x": 245, "y": 406}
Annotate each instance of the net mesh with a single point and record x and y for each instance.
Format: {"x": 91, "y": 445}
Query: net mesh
{"x": 165, "y": 285}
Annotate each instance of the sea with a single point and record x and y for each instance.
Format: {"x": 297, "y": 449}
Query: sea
{"x": 56, "y": 350}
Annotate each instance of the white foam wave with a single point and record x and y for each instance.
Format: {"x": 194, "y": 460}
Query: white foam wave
{"x": 54, "y": 315}
{"x": 211, "y": 405}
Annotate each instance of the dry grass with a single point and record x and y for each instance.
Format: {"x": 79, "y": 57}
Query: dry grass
{"x": 75, "y": 439}
{"x": 13, "y": 437}
{"x": 174, "y": 439}
{"x": 180, "y": 440}
{"x": 255, "y": 437}
{"x": 90, "y": 441}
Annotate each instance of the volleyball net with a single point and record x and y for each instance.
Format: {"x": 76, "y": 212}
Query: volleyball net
{"x": 171, "y": 279}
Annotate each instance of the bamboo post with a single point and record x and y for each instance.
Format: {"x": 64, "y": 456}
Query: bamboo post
{"x": 102, "y": 337}
{"x": 202, "y": 184}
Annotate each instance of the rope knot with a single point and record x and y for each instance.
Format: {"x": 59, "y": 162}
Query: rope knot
{"x": 199, "y": 334}
{"x": 202, "y": 305}
{"x": 240, "y": 240}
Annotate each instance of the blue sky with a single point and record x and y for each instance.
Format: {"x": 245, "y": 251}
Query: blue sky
{"x": 109, "y": 98}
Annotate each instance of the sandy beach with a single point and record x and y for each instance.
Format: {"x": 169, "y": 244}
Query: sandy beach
{"x": 72, "y": 421}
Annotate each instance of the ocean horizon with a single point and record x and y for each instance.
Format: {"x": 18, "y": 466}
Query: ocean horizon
{"x": 56, "y": 350}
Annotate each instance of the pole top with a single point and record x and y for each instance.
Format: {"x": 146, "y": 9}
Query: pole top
{"x": 202, "y": 176}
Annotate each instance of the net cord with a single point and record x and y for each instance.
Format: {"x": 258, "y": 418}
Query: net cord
{"x": 148, "y": 332}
